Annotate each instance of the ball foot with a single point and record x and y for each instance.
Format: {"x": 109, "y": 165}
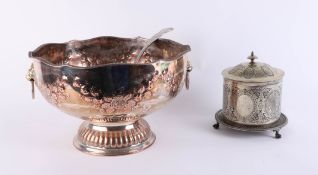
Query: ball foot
{"x": 106, "y": 140}
{"x": 277, "y": 134}
{"x": 216, "y": 126}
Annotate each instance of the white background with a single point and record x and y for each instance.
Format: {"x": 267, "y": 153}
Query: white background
{"x": 36, "y": 138}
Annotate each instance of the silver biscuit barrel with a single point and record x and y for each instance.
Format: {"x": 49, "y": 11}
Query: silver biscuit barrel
{"x": 252, "y": 97}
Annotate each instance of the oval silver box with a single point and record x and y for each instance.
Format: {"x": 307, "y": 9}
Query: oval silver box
{"x": 252, "y": 93}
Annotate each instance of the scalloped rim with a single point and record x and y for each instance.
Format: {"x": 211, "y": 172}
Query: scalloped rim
{"x": 186, "y": 49}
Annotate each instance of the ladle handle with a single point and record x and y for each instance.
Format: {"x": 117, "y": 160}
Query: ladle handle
{"x": 30, "y": 77}
{"x": 151, "y": 40}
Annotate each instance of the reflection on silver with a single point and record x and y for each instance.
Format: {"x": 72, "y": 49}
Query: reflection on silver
{"x": 98, "y": 81}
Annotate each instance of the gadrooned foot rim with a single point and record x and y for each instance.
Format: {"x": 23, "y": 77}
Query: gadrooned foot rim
{"x": 114, "y": 140}
{"x": 114, "y": 151}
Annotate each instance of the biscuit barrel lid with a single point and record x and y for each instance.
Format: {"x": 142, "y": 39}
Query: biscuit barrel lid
{"x": 252, "y": 71}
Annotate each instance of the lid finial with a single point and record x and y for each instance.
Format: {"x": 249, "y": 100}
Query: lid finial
{"x": 252, "y": 57}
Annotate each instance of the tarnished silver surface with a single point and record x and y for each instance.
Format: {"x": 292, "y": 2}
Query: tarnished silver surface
{"x": 252, "y": 105}
{"x": 252, "y": 93}
{"x": 252, "y": 97}
{"x": 99, "y": 81}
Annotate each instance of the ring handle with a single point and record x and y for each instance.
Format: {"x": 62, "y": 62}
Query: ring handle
{"x": 30, "y": 77}
{"x": 189, "y": 69}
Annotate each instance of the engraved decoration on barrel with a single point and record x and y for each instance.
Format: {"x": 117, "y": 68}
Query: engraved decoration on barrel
{"x": 251, "y": 105}
{"x": 252, "y": 98}
{"x": 99, "y": 81}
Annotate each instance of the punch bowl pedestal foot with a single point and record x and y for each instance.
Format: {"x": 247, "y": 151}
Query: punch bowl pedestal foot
{"x": 105, "y": 140}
